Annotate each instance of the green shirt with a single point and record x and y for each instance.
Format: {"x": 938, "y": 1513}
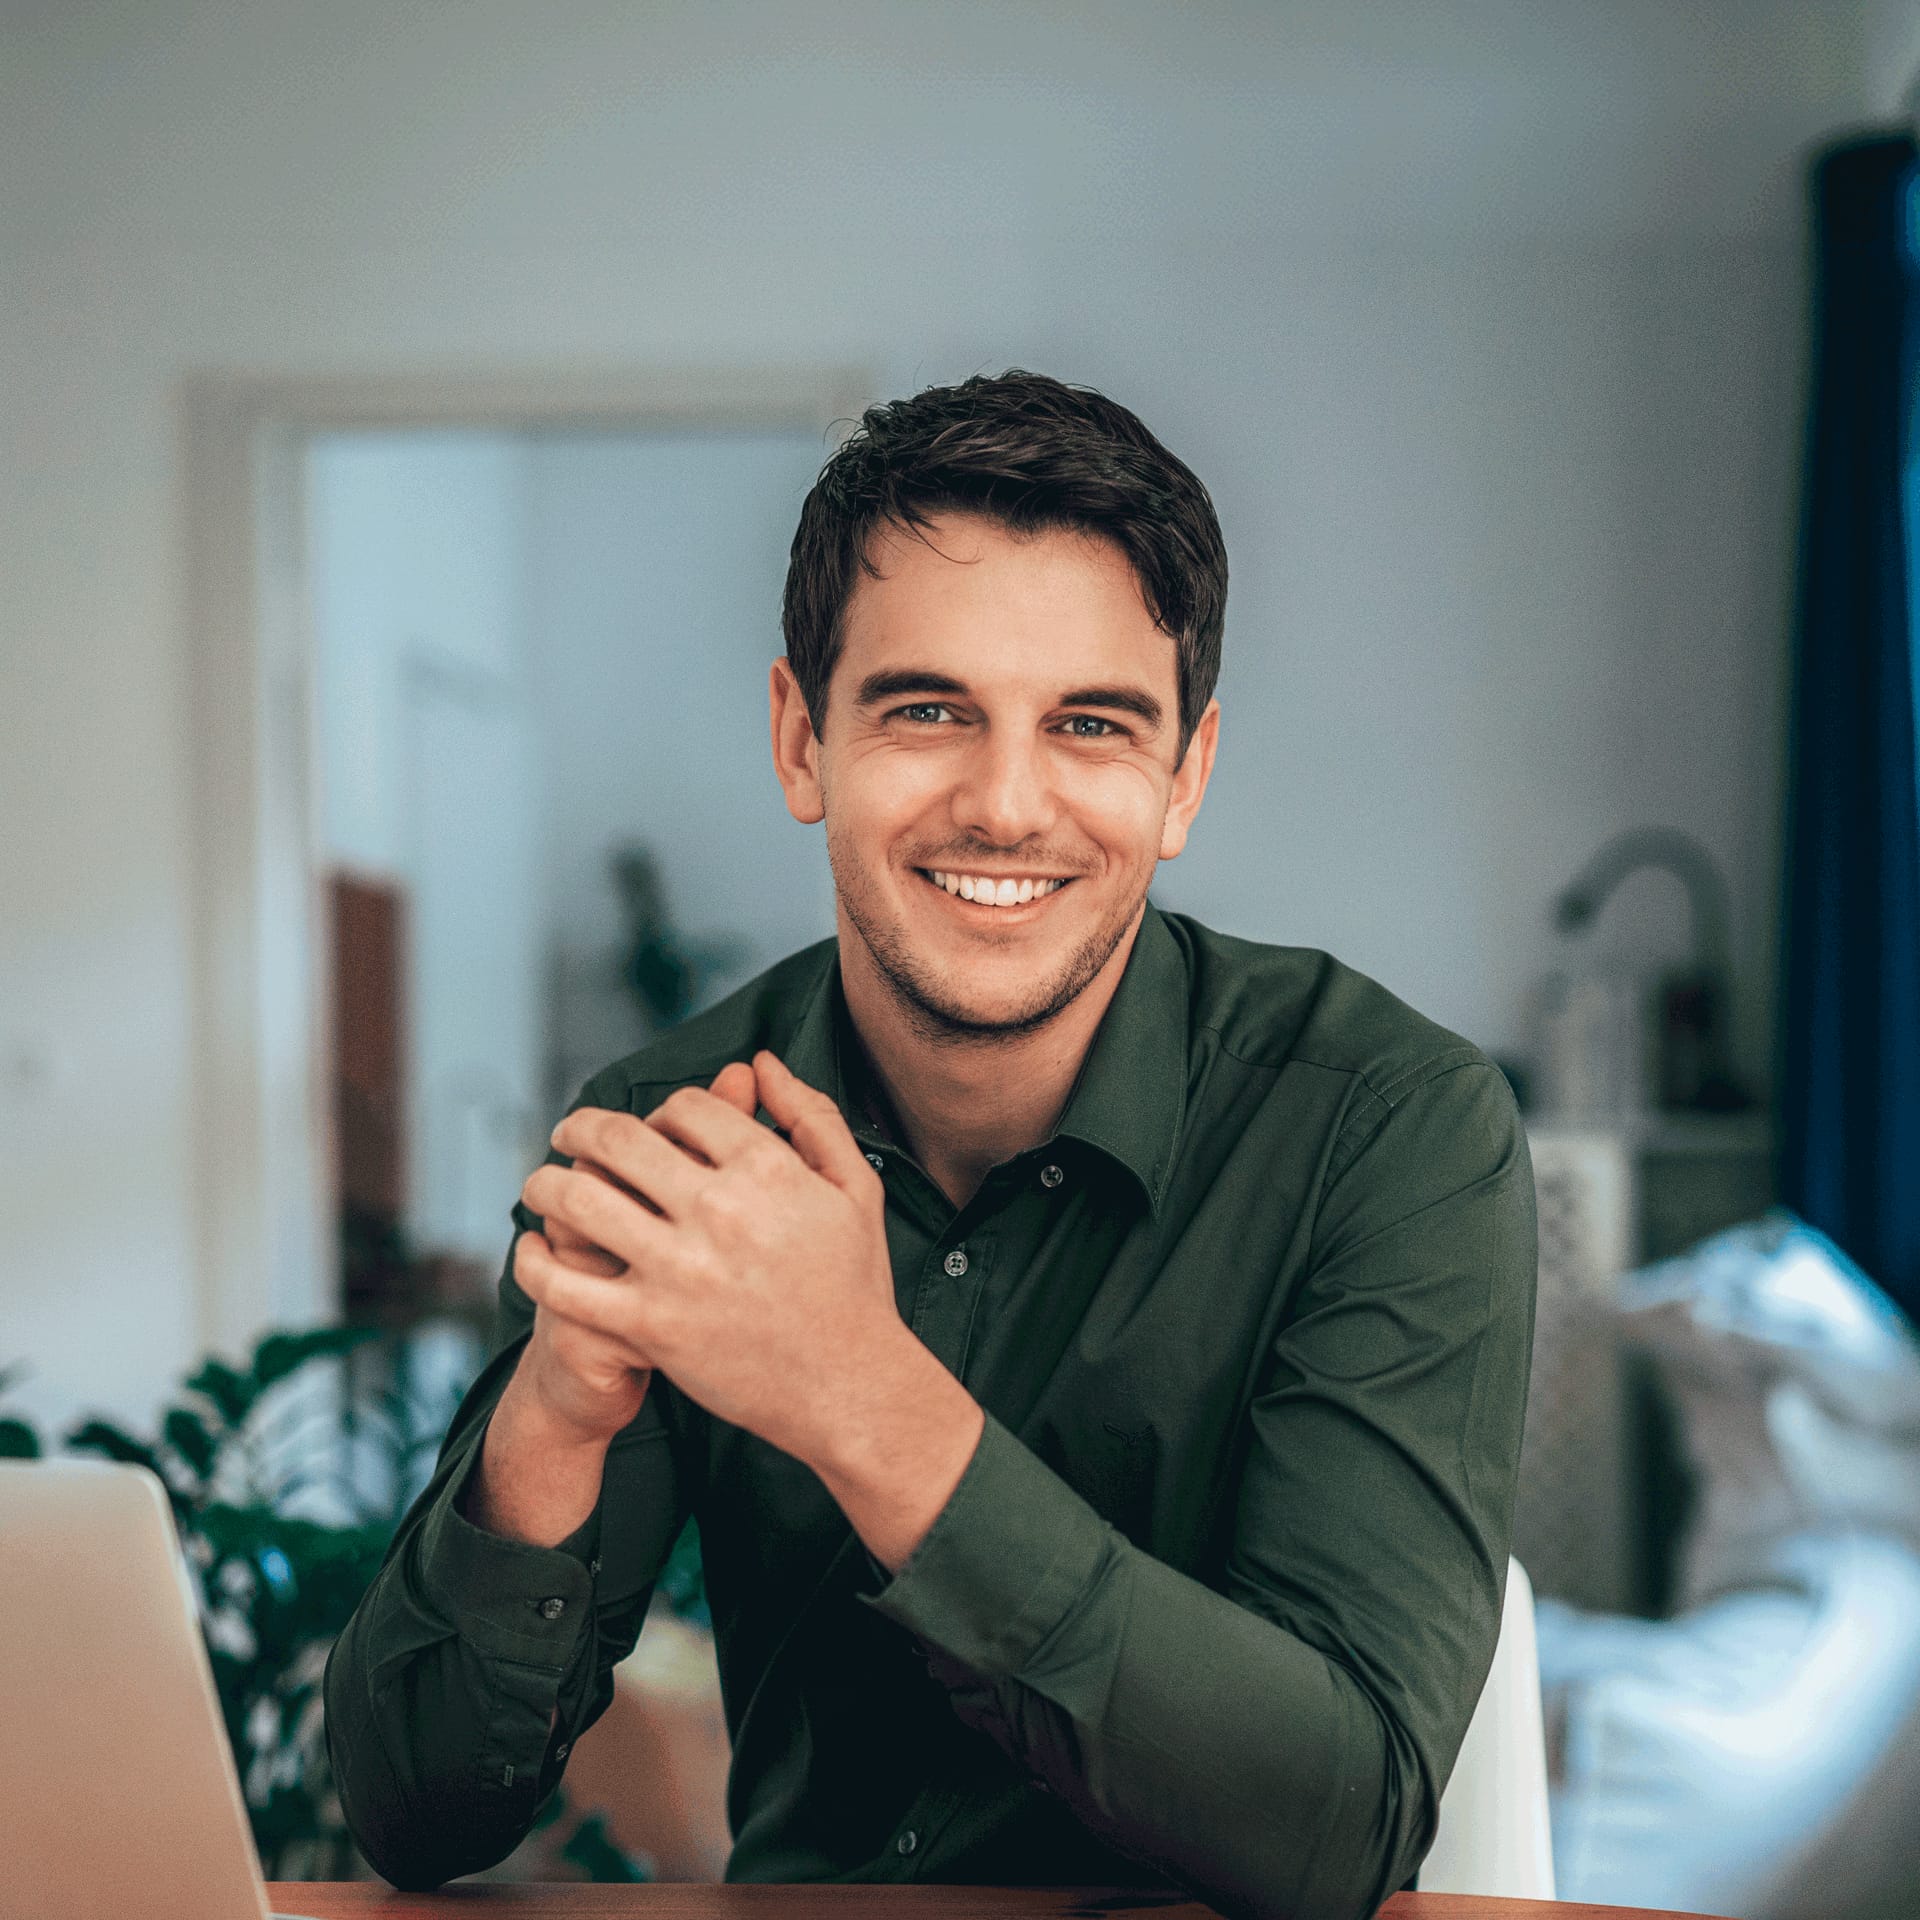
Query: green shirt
{"x": 1214, "y": 1598}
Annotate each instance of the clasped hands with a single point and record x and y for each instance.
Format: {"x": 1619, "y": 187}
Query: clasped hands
{"x": 753, "y": 1270}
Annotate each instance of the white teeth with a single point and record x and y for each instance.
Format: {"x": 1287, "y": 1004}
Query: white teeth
{"x": 998, "y": 893}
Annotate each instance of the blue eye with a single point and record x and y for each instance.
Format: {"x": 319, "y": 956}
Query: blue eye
{"x": 914, "y": 711}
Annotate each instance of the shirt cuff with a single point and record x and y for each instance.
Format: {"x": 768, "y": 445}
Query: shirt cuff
{"x": 1010, "y": 1555}
{"x": 512, "y": 1601}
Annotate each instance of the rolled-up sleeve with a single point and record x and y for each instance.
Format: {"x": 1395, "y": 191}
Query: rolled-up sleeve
{"x": 1280, "y": 1746}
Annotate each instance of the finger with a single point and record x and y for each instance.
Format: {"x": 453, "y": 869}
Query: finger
{"x": 736, "y": 1085}
{"x": 614, "y": 1308}
{"x": 813, "y": 1124}
{"x": 638, "y": 1156}
{"x": 603, "y": 1216}
{"x": 702, "y": 1122}
{"x": 587, "y": 1164}
{"x": 576, "y": 1250}
{"x": 576, "y": 1340}
{"x": 587, "y": 1348}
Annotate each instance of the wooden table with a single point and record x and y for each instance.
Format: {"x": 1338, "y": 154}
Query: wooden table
{"x": 681, "y": 1900}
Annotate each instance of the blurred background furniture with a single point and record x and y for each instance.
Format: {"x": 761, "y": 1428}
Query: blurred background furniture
{"x": 1602, "y": 1491}
{"x": 654, "y": 1765}
{"x": 1495, "y": 1836}
{"x": 1747, "y": 1745}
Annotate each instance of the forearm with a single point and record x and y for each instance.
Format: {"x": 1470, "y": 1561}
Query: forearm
{"x": 536, "y": 1481}
{"x": 896, "y": 1458}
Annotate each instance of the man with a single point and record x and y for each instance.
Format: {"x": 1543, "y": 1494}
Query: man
{"x": 1094, "y": 1346}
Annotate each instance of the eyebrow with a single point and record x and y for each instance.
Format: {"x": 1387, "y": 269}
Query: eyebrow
{"x": 891, "y": 682}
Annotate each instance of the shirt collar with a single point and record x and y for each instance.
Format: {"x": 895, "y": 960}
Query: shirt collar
{"x": 1130, "y": 1095}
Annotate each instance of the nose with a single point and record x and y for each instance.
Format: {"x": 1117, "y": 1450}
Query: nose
{"x": 1005, "y": 794}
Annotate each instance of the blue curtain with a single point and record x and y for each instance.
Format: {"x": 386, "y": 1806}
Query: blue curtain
{"x": 1850, "y": 1066}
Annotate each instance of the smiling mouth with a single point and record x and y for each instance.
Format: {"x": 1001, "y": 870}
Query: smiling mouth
{"x": 963, "y": 892}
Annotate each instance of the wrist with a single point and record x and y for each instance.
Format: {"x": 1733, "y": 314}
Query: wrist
{"x": 550, "y": 1403}
{"x": 538, "y": 1476}
{"x": 894, "y": 1463}
{"x": 533, "y": 1421}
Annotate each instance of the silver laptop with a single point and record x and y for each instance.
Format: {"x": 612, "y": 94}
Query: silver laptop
{"x": 118, "y": 1794}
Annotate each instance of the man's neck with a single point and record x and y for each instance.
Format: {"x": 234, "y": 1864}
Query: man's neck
{"x": 964, "y": 1106}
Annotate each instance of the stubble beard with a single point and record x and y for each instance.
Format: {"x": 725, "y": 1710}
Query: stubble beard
{"x": 933, "y": 1014}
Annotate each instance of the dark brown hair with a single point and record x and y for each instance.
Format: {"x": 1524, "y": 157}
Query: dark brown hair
{"x": 1033, "y": 454}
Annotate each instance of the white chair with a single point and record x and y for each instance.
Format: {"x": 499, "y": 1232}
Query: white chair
{"x": 1494, "y": 1838}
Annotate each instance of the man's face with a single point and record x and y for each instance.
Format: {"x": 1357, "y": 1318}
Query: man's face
{"x": 1003, "y": 708}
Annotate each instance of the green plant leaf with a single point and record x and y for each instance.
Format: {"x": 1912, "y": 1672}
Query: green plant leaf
{"x": 281, "y": 1354}
{"x": 368, "y": 1415}
{"x": 99, "y": 1436}
{"x": 295, "y": 1484}
{"x": 397, "y": 1409}
{"x": 549, "y": 1810}
{"x": 591, "y": 1847}
{"x": 683, "y": 1577}
{"x": 276, "y": 1588}
{"x": 187, "y": 1435}
{"x": 229, "y": 1390}
{"x": 18, "y": 1441}
{"x": 290, "y": 1818}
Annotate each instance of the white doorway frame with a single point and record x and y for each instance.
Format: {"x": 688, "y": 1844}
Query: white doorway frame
{"x": 262, "y": 1148}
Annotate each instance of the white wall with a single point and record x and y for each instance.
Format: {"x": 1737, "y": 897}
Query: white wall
{"x": 1891, "y": 48}
{"x": 658, "y": 562}
{"x": 1483, "y": 324}
{"x": 420, "y": 566}
{"x": 416, "y": 553}
{"x": 529, "y": 647}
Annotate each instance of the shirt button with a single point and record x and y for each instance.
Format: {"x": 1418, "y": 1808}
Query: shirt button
{"x": 562, "y": 1750}
{"x": 1051, "y": 1176}
{"x": 552, "y": 1609}
{"x": 877, "y": 1161}
{"x": 908, "y": 1841}
{"x": 956, "y": 1264}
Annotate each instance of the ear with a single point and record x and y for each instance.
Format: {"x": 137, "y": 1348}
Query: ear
{"x": 796, "y": 749}
{"x": 1190, "y": 782}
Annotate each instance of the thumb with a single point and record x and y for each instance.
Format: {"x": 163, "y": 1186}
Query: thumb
{"x": 736, "y": 1084}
